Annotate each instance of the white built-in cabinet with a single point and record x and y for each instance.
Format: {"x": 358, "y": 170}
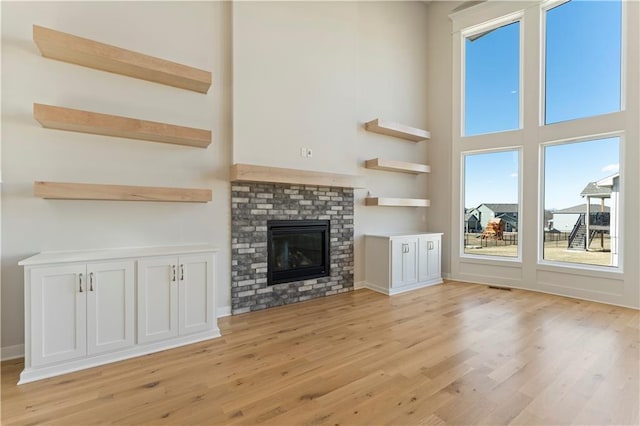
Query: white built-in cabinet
{"x": 173, "y": 295}
{"x": 83, "y": 309}
{"x": 395, "y": 263}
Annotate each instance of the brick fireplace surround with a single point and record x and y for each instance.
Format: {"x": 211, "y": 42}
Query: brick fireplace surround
{"x": 252, "y": 204}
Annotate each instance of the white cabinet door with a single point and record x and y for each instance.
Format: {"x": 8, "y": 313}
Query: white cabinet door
{"x": 110, "y": 299}
{"x": 58, "y": 308}
{"x": 157, "y": 299}
{"x": 429, "y": 258}
{"x": 404, "y": 261}
{"x": 433, "y": 257}
{"x": 195, "y": 284}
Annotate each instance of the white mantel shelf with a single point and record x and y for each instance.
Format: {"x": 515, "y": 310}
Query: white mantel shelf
{"x": 253, "y": 173}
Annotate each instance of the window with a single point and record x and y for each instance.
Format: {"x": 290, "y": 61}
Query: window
{"x": 583, "y": 59}
{"x": 491, "y": 203}
{"x": 492, "y": 80}
{"x": 581, "y": 202}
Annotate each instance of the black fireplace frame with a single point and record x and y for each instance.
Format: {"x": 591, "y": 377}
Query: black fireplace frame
{"x": 279, "y": 227}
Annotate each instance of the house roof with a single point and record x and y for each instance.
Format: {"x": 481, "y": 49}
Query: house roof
{"x": 508, "y": 217}
{"x": 581, "y": 208}
{"x": 593, "y": 190}
{"x": 501, "y": 208}
{"x": 468, "y": 216}
{"x": 608, "y": 181}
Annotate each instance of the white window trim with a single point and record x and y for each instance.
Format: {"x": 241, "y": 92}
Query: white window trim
{"x": 614, "y": 285}
{"x": 463, "y": 255}
{"x": 541, "y": 207}
{"x": 511, "y": 18}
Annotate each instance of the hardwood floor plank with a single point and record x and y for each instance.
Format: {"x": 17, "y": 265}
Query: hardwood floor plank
{"x": 449, "y": 354}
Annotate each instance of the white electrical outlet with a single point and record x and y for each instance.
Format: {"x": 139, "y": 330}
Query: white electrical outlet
{"x": 309, "y": 152}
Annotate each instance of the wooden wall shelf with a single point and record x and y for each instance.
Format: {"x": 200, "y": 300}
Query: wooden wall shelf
{"x": 81, "y": 51}
{"x": 397, "y": 166}
{"x": 251, "y": 173}
{"x": 75, "y": 120}
{"x": 397, "y": 202}
{"x": 86, "y": 191}
{"x": 397, "y": 130}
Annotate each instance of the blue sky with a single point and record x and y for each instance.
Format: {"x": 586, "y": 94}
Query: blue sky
{"x": 582, "y": 79}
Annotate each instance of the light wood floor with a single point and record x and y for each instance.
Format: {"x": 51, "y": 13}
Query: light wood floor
{"x": 450, "y": 354}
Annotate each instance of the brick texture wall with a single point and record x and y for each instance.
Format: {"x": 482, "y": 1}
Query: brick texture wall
{"x": 252, "y": 204}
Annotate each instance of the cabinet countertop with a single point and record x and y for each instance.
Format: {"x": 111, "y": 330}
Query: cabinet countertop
{"x": 400, "y": 234}
{"x": 53, "y": 257}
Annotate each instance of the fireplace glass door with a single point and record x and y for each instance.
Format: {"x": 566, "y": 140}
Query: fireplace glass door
{"x": 297, "y": 250}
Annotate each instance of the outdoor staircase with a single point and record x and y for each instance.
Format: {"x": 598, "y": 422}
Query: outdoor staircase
{"x": 578, "y": 236}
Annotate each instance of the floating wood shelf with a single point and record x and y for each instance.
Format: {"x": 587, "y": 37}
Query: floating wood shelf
{"x": 397, "y": 202}
{"x": 397, "y": 166}
{"x": 81, "y": 51}
{"x": 251, "y": 173}
{"x": 75, "y": 120}
{"x": 397, "y": 130}
{"x": 86, "y": 191}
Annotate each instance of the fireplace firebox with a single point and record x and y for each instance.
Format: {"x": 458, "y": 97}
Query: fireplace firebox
{"x": 297, "y": 250}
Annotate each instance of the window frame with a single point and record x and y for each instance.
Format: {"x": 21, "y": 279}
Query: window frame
{"x": 462, "y": 254}
{"x": 541, "y": 204}
{"x": 484, "y": 27}
{"x": 542, "y": 95}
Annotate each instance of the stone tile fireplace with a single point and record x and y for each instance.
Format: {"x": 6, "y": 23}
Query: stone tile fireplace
{"x": 255, "y": 207}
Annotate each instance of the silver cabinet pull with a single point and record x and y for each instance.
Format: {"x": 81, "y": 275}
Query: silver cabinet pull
{"x": 181, "y": 272}
{"x": 91, "y": 281}
{"x": 80, "y": 276}
{"x": 173, "y": 270}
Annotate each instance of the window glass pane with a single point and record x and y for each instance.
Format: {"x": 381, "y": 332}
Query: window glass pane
{"x": 491, "y": 207}
{"x": 583, "y": 45}
{"x": 582, "y": 180}
{"x": 492, "y": 76}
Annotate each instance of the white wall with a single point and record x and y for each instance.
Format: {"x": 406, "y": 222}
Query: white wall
{"x": 310, "y": 74}
{"x": 193, "y": 33}
{"x": 439, "y": 80}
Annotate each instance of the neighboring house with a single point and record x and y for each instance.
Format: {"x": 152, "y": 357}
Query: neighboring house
{"x": 565, "y": 219}
{"x": 510, "y": 221}
{"x": 488, "y": 211}
{"x": 610, "y": 184}
{"x": 472, "y": 220}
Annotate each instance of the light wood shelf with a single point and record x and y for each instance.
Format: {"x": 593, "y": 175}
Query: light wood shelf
{"x": 86, "y": 191}
{"x": 397, "y": 202}
{"x": 82, "y": 51}
{"x": 397, "y": 166}
{"x": 75, "y": 120}
{"x": 397, "y": 130}
{"x": 252, "y": 173}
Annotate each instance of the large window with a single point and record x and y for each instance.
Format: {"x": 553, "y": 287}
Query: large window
{"x": 581, "y": 202}
{"x": 492, "y": 80}
{"x": 491, "y": 203}
{"x": 583, "y": 59}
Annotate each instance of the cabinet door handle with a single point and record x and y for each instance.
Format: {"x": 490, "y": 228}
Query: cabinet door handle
{"x": 173, "y": 270}
{"x": 91, "y": 281}
{"x": 181, "y": 272}
{"x": 80, "y": 277}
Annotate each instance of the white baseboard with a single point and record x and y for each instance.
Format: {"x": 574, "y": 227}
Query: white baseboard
{"x": 12, "y": 352}
{"x": 223, "y": 311}
{"x": 359, "y": 284}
